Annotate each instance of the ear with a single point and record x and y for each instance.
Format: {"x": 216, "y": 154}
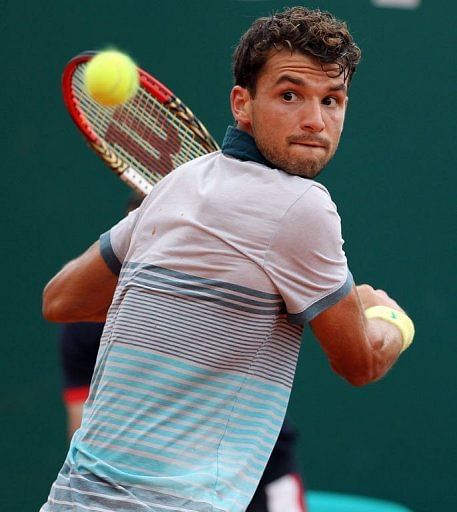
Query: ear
{"x": 240, "y": 101}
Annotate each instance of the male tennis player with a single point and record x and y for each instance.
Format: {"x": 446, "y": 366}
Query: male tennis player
{"x": 281, "y": 487}
{"x": 219, "y": 269}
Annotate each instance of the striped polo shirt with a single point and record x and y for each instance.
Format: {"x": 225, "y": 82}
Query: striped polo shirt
{"x": 219, "y": 269}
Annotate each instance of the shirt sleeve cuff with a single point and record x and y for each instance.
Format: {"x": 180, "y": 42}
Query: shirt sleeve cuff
{"x": 321, "y": 305}
{"x": 107, "y": 253}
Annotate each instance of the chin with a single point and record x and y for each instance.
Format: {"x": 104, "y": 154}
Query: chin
{"x": 307, "y": 173}
{"x": 309, "y": 168}
{"x": 298, "y": 164}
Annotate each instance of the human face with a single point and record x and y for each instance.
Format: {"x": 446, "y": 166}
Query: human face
{"x": 297, "y": 113}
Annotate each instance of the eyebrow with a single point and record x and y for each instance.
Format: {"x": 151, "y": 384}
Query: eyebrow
{"x": 298, "y": 81}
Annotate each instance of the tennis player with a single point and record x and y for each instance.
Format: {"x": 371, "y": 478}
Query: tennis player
{"x": 206, "y": 287}
{"x": 281, "y": 487}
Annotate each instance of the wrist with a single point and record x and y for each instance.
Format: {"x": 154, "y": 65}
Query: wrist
{"x": 398, "y": 318}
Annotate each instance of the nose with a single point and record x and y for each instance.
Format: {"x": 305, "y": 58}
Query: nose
{"x": 312, "y": 119}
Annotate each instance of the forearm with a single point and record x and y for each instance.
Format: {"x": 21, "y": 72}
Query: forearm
{"x": 81, "y": 291}
{"x": 361, "y": 349}
{"x": 386, "y": 343}
{"x": 64, "y": 305}
{"x": 374, "y": 348}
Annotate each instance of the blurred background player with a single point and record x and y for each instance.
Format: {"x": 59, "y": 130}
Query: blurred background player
{"x": 281, "y": 488}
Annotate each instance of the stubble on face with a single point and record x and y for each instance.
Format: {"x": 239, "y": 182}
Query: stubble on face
{"x": 288, "y": 135}
{"x": 306, "y": 167}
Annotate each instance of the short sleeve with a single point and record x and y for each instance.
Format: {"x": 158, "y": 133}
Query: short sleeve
{"x": 115, "y": 243}
{"x": 306, "y": 260}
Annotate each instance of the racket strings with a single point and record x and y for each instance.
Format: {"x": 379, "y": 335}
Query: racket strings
{"x": 144, "y": 133}
{"x": 182, "y": 111}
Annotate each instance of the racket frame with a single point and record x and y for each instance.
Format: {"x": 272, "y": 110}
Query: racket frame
{"x": 126, "y": 172}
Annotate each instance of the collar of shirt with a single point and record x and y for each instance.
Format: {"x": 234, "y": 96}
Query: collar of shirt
{"x": 239, "y": 144}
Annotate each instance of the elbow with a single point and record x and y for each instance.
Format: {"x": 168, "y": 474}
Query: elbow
{"x": 50, "y": 310}
{"x": 50, "y": 313}
{"x": 360, "y": 380}
{"x": 53, "y": 309}
{"x": 359, "y": 375}
{"x": 59, "y": 307}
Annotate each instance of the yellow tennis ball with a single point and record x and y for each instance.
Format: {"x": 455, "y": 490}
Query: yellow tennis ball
{"x": 111, "y": 78}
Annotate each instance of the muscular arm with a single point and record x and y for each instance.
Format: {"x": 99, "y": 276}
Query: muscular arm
{"x": 82, "y": 291}
{"x": 358, "y": 349}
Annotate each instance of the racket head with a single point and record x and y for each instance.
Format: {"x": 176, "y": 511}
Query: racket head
{"x": 141, "y": 140}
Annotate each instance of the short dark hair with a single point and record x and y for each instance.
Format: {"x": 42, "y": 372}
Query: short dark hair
{"x": 309, "y": 31}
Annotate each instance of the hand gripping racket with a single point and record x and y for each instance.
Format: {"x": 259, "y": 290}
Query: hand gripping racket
{"x": 141, "y": 140}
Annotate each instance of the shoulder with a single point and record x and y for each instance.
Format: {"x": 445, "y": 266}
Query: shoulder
{"x": 194, "y": 164}
{"x": 311, "y": 206}
{"x": 314, "y": 198}
{"x": 310, "y": 224}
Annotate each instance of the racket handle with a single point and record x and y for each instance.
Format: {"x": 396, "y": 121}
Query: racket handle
{"x": 134, "y": 179}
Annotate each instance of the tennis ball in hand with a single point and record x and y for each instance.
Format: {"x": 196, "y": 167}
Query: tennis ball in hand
{"x": 111, "y": 78}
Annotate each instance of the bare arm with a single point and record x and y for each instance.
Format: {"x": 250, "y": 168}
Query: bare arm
{"x": 82, "y": 291}
{"x": 360, "y": 350}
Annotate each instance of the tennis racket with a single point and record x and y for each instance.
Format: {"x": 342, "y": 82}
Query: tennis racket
{"x": 141, "y": 140}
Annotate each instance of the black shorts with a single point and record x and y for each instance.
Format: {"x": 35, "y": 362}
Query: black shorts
{"x": 78, "y": 346}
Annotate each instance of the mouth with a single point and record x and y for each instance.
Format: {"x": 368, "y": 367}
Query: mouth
{"x": 309, "y": 142}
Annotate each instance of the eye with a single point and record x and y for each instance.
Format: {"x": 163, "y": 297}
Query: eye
{"x": 330, "y": 101}
{"x": 289, "y": 96}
